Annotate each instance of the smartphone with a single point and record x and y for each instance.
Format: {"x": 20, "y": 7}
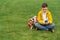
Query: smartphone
{"x": 46, "y": 20}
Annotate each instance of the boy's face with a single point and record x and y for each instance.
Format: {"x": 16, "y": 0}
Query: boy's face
{"x": 45, "y": 9}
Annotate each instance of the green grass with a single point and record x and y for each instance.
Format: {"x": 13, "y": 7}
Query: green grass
{"x": 15, "y": 13}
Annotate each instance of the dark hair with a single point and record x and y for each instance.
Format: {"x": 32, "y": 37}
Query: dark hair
{"x": 44, "y": 5}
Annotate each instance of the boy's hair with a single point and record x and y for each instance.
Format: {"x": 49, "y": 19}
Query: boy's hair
{"x": 44, "y": 5}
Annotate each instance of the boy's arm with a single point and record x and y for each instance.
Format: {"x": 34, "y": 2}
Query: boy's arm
{"x": 50, "y": 20}
{"x": 40, "y": 18}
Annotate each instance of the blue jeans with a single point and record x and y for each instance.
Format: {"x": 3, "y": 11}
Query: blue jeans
{"x": 44, "y": 27}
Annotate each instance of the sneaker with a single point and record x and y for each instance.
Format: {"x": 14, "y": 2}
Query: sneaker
{"x": 36, "y": 28}
{"x": 52, "y": 30}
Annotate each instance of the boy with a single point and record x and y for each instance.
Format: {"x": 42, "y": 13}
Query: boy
{"x": 45, "y": 21}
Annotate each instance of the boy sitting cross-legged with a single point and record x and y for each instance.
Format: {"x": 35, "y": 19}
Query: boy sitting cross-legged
{"x": 44, "y": 20}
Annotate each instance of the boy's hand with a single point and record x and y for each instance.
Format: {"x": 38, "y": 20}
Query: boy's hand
{"x": 43, "y": 23}
{"x": 46, "y": 23}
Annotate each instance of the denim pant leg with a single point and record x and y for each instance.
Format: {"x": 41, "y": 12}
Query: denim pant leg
{"x": 39, "y": 26}
{"x": 50, "y": 26}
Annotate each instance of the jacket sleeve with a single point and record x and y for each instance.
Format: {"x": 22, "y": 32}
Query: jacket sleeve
{"x": 40, "y": 18}
{"x": 50, "y": 20}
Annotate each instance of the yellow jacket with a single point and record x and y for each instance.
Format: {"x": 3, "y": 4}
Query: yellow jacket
{"x": 48, "y": 15}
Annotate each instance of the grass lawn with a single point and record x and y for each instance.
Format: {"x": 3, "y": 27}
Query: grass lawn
{"x": 15, "y": 13}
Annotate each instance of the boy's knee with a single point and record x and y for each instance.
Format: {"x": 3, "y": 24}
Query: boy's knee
{"x": 36, "y": 24}
{"x": 53, "y": 24}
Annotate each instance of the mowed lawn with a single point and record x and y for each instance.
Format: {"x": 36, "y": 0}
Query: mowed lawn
{"x": 15, "y": 13}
